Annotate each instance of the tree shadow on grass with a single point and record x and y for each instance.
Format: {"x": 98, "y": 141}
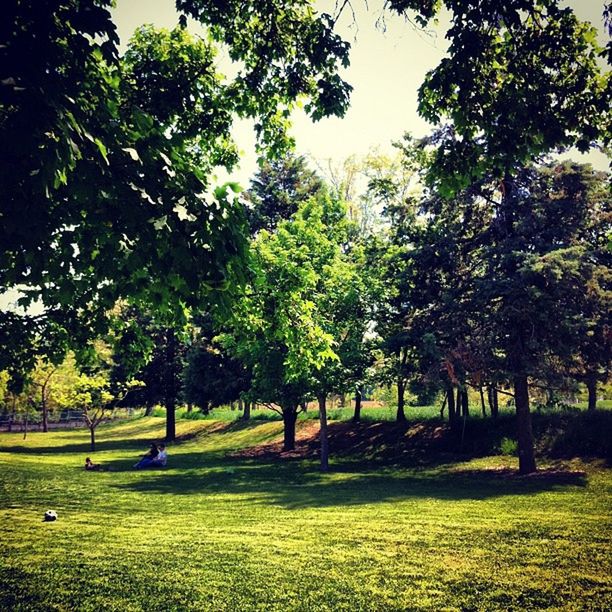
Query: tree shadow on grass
{"x": 108, "y": 440}
{"x": 296, "y": 485}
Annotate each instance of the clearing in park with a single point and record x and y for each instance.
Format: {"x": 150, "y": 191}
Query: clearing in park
{"x": 225, "y": 527}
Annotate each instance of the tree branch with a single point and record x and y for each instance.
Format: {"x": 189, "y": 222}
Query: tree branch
{"x": 274, "y": 408}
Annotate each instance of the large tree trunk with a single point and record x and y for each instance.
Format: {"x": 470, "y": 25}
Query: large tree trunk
{"x": 148, "y": 410}
{"x": 527, "y": 463}
{"x": 357, "y": 413}
{"x": 401, "y": 387}
{"x": 92, "y": 438}
{"x": 289, "y": 419}
{"x": 247, "y": 410}
{"x": 323, "y": 439}
{"x": 591, "y": 384}
{"x": 170, "y": 390}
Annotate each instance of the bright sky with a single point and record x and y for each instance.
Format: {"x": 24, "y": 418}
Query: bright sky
{"x": 386, "y": 70}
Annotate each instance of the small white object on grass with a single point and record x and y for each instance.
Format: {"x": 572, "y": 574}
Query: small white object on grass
{"x": 50, "y": 515}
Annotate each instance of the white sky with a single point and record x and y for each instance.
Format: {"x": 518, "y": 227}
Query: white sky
{"x": 386, "y": 70}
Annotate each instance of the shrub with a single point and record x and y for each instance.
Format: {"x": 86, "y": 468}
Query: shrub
{"x": 508, "y": 446}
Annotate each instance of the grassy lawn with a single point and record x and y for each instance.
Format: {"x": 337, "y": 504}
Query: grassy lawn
{"x": 215, "y": 532}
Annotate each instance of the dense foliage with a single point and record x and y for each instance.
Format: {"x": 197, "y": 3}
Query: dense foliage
{"x": 468, "y": 262}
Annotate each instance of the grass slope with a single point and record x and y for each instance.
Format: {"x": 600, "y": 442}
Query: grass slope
{"x": 216, "y": 531}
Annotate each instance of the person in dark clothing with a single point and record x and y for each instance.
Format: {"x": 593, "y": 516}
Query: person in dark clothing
{"x": 148, "y": 458}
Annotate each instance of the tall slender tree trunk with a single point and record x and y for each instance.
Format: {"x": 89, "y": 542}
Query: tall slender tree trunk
{"x": 443, "y": 405}
{"x": 170, "y": 391}
{"x": 516, "y": 348}
{"x": 357, "y": 413}
{"x": 92, "y": 438}
{"x": 45, "y": 413}
{"x": 323, "y": 437}
{"x": 452, "y": 412}
{"x": 591, "y": 384}
{"x": 247, "y": 410}
{"x": 289, "y": 419}
{"x": 527, "y": 463}
{"x": 482, "y": 402}
{"x": 458, "y": 403}
{"x": 170, "y": 419}
{"x": 13, "y": 413}
{"x": 401, "y": 388}
{"x": 465, "y": 403}
{"x": 495, "y": 407}
{"x": 492, "y": 399}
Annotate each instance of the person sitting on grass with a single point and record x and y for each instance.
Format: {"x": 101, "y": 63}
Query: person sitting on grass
{"x": 90, "y": 466}
{"x": 162, "y": 457}
{"x": 148, "y": 458}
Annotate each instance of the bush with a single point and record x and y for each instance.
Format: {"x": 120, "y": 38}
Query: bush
{"x": 576, "y": 434}
{"x": 508, "y": 446}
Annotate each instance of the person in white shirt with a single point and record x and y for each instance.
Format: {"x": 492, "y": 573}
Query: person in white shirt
{"x": 162, "y": 457}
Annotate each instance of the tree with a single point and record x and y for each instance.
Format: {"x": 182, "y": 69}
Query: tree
{"x": 105, "y": 162}
{"x": 278, "y": 189}
{"x": 48, "y": 385}
{"x": 515, "y": 301}
{"x": 151, "y": 349}
{"x": 94, "y": 395}
{"x": 212, "y": 377}
{"x": 387, "y": 258}
{"x": 521, "y": 80}
{"x": 276, "y": 328}
{"x": 341, "y": 310}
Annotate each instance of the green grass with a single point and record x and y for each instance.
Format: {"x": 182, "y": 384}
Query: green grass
{"x": 212, "y": 532}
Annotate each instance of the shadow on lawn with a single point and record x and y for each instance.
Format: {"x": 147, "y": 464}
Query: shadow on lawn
{"x": 295, "y": 485}
{"x": 107, "y": 440}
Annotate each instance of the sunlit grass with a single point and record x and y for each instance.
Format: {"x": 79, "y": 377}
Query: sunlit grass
{"x": 212, "y": 532}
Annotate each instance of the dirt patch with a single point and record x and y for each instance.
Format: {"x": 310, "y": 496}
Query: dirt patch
{"x": 417, "y": 443}
{"x": 306, "y": 434}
